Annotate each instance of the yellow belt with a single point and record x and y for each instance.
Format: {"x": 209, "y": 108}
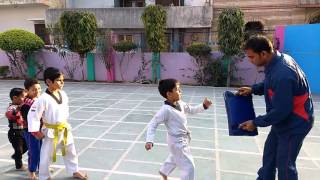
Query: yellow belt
{"x": 57, "y": 129}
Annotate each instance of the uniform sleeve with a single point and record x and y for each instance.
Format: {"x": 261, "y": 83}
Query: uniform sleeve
{"x": 258, "y": 89}
{"x": 24, "y": 111}
{"x": 159, "y": 118}
{"x": 35, "y": 114}
{"x": 282, "y": 104}
{"x": 193, "y": 109}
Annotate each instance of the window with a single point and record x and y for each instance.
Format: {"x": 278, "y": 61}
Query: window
{"x": 40, "y": 30}
{"x": 131, "y": 3}
{"x": 170, "y": 2}
{"x": 125, "y": 37}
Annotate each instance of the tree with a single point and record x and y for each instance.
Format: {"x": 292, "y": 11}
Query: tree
{"x": 106, "y": 53}
{"x": 18, "y": 42}
{"x": 253, "y": 28}
{"x": 230, "y": 35}
{"x": 154, "y": 19}
{"x": 314, "y": 18}
{"x": 79, "y": 31}
{"x": 123, "y": 47}
{"x": 200, "y": 52}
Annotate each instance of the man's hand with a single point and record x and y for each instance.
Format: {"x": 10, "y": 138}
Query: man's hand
{"x": 248, "y": 126}
{"x": 148, "y": 146}
{"x": 244, "y": 91}
{"x": 207, "y": 103}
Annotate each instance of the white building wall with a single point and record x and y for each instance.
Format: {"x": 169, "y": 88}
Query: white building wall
{"x": 196, "y": 2}
{"x": 89, "y": 3}
{"x": 150, "y": 2}
{"x": 19, "y": 17}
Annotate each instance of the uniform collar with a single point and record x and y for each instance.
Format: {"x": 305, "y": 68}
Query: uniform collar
{"x": 59, "y": 101}
{"x": 177, "y": 107}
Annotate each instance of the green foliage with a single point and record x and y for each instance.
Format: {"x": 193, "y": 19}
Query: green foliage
{"x": 20, "y": 40}
{"x": 230, "y": 31}
{"x": 199, "y": 49}
{"x": 124, "y": 46}
{"x": 79, "y": 30}
{"x": 4, "y": 70}
{"x": 154, "y": 19}
{"x": 253, "y": 28}
{"x": 315, "y": 18}
{"x": 214, "y": 75}
{"x": 56, "y": 35}
{"x": 200, "y": 52}
{"x": 230, "y": 35}
{"x": 18, "y": 45}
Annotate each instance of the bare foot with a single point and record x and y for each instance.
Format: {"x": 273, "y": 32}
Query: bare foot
{"x": 32, "y": 176}
{"x": 164, "y": 177}
{"x": 80, "y": 175}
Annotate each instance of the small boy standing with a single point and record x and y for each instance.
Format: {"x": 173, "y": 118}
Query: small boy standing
{"x": 173, "y": 115}
{"x": 15, "y": 133}
{"x": 52, "y": 107}
{"x": 33, "y": 89}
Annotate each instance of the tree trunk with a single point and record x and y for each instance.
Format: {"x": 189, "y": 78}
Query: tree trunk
{"x": 120, "y": 65}
{"x": 228, "y": 71}
{"x": 82, "y": 58}
{"x": 155, "y": 67}
{"x": 12, "y": 63}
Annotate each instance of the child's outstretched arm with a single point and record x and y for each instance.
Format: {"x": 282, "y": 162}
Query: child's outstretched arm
{"x": 199, "y": 108}
{"x": 152, "y": 126}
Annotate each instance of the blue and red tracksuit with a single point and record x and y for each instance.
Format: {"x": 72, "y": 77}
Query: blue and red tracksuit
{"x": 34, "y": 145}
{"x": 289, "y": 112}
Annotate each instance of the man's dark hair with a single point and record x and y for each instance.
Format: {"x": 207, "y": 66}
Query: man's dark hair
{"x": 15, "y": 92}
{"x": 167, "y": 85}
{"x": 258, "y": 43}
{"x": 30, "y": 82}
{"x": 51, "y": 73}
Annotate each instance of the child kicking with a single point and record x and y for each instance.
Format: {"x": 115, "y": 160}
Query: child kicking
{"x": 52, "y": 107}
{"x": 173, "y": 115}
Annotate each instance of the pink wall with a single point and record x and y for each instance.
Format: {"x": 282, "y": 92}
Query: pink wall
{"x": 3, "y": 59}
{"x": 51, "y": 59}
{"x": 175, "y": 65}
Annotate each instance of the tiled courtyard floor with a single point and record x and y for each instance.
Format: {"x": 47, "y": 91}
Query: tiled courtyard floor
{"x": 109, "y": 123}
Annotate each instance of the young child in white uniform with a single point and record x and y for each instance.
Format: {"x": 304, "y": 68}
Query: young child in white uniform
{"x": 52, "y": 107}
{"x": 173, "y": 115}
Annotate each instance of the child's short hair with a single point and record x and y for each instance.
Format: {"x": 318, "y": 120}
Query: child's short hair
{"x": 51, "y": 73}
{"x": 30, "y": 82}
{"x": 15, "y": 92}
{"x": 167, "y": 85}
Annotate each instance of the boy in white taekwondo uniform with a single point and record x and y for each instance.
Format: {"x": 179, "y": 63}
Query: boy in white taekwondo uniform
{"x": 52, "y": 107}
{"x": 173, "y": 115}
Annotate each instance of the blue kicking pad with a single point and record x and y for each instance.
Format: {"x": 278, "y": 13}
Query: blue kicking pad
{"x": 239, "y": 109}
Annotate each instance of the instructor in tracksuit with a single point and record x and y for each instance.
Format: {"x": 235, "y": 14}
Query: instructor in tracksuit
{"x": 289, "y": 108}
